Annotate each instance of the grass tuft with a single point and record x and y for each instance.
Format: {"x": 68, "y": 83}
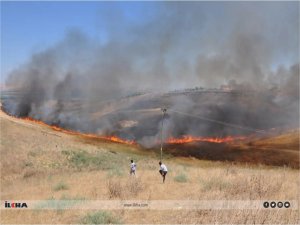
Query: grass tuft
{"x": 215, "y": 183}
{"x": 181, "y": 178}
{"x": 114, "y": 188}
{"x": 101, "y": 217}
{"x": 61, "y": 186}
{"x": 134, "y": 186}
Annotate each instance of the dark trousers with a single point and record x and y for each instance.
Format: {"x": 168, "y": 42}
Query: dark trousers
{"x": 163, "y": 174}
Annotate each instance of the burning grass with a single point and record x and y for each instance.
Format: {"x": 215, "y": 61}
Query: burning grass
{"x": 190, "y": 139}
{"x": 172, "y": 140}
{"x": 72, "y": 132}
{"x": 278, "y": 151}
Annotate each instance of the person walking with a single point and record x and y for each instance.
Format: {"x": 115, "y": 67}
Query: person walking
{"x": 132, "y": 168}
{"x": 163, "y": 170}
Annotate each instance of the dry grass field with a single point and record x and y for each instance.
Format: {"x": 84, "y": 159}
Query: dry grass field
{"x": 38, "y": 163}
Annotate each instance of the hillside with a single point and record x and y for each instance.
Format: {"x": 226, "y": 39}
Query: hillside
{"x": 288, "y": 141}
{"x": 277, "y": 150}
{"x": 39, "y": 163}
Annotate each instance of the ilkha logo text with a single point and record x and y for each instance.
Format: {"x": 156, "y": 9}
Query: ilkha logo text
{"x": 15, "y": 204}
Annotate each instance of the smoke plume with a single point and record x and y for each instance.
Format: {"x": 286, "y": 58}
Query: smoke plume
{"x": 104, "y": 86}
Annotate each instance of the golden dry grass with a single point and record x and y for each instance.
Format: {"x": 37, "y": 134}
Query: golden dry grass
{"x": 37, "y": 162}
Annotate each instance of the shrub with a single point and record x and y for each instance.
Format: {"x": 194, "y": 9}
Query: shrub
{"x": 181, "y": 178}
{"x": 64, "y": 202}
{"x": 101, "y": 217}
{"x": 100, "y": 160}
{"x": 61, "y": 186}
{"x": 29, "y": 173}
{"x": 80, "y": 159}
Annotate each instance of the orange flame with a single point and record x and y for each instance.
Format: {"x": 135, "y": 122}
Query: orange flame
{"x": 171, "y": 140}
{"x": 89, "y": 135}
{"x": 189, "y": 139}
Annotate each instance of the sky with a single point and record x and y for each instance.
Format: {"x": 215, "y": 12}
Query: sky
{"x": 31, "y": 27}
{"x": 28, "y": 27}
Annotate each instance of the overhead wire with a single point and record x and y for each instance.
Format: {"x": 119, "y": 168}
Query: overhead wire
{"x": 218, "y": 121}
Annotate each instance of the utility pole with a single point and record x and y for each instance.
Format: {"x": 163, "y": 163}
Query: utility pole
{"x": 163, "y": 110}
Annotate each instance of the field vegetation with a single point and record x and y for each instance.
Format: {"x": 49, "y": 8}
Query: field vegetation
{"x": 38, "y": 163}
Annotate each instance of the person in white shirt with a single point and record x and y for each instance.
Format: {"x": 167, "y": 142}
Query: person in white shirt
{"x": 163, "y": 170}
{"x": 132, "y": 168}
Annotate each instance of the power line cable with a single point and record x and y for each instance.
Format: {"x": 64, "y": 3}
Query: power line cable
{"x": 219, "y": 122}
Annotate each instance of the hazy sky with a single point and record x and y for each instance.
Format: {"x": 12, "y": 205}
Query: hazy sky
{"x": 30, "y": 27}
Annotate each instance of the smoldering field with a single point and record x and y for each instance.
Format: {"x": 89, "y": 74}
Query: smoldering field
{"x": 81, "y": 83}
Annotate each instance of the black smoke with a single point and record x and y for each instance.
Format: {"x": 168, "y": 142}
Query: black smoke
{"x": 81, "y": 83}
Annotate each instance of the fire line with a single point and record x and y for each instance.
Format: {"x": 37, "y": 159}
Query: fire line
{"x": 189, "y": 139}
{"x": 172, "y": 140}
{"x": 88, "y": 135}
